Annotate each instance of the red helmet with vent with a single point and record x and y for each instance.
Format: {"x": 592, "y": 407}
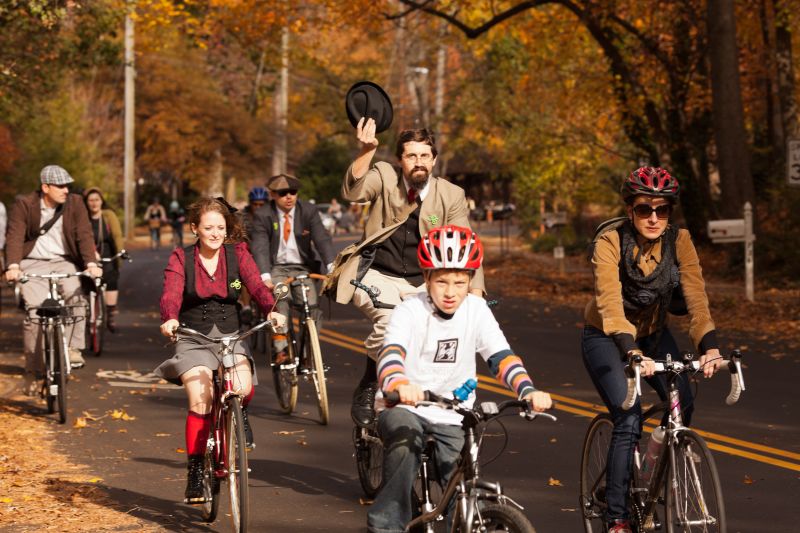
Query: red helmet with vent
{"x": 450, "y": 247}
{"x": 652, "y": 181}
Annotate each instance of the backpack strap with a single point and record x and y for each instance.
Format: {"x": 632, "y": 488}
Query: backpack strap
{"x": 188, "y": 269}
{"x": 59, "y": 211}
{"x": 612, "y": 224}
{"x": 232, "y": 266}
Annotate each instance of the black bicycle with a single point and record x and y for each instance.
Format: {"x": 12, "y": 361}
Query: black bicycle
{"x": 681, "y": 480}
{"x": 97, "y": 312}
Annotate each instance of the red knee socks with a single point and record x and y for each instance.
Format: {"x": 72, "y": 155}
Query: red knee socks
{"x": 197, "y": 428}
{"x": 246, "y": 399}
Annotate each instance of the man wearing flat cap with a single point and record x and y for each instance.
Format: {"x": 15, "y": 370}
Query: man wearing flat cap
{"x": 403, "y": 208}
{"x": 49, "y": 231}
{"x": 284, "y": 230}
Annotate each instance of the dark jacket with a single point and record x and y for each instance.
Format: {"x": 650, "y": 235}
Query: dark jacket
{"x": 307, "y": 227}
{"x": 24, "y": 222}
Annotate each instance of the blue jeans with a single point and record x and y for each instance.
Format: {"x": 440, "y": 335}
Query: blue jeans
{"x": 605, "y": 365}
{"x": 403, "y": 434}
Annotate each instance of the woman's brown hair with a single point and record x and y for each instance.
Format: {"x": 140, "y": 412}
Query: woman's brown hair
{"x": 235, "y": 231}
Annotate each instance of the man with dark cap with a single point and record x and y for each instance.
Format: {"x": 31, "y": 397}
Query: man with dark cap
{"x": 49, "y": 231}
{"x": 403, "y": 207}
{"x": 283, "y": 232}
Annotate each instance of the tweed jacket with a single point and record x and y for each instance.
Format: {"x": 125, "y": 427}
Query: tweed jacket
{"x": 307, "y": 228}
{"x": 24, "y": 222}
{"x": 444, "y": 203}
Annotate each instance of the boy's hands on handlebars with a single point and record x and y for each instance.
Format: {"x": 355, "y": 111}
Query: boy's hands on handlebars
{"x": 168, "y": 328}
{"x": 539, "y": 400}
{"x": 711, "y": 362}
{"x": 410, "y": 393}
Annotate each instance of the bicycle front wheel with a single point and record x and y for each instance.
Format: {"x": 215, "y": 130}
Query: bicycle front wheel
{"x": 284, "y": 376}
{"x": 317, "y": 370}
{"x": 369, "y": 460}
{"x": 98, "y": 326}
{"x": 236, "y": 461}
{"x": 60, "y": 372}
{"x": 495, "y": 517}
{"x": 50, "y": 355}
{"x": 694, "y": 494}
{"x": 593, "y": 473}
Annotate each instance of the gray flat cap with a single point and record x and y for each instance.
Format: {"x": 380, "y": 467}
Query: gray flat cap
{"x": 281, "y": 182}
{"x": 55, "y": 175}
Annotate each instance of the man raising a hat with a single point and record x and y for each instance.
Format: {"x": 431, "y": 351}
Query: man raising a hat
{"x": 49, "y": 231}
{"x": 402, "y": 208}
{"x": 284, "y": 230}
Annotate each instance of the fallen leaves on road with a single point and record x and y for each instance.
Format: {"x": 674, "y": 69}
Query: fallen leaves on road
{"x": 748, "y": 480}
{"x": 120, "y": 414}
{"x": 553, "y": 482}
{"x": 286, "y": 433}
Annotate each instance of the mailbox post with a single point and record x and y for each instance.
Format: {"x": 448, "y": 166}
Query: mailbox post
{"x": 738, "y": 230}
{"x": 556, "y": 220}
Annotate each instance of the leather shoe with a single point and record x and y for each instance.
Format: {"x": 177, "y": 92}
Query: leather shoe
{"x": 363, "y": 410}
{"x": 76, "y": 360}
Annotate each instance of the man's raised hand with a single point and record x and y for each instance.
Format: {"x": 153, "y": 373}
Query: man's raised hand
{"x": 365, "y": 133}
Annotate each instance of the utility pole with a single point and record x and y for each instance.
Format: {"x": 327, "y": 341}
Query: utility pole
{"x": 130, "y": 156}
{"x": 279, "y": 152}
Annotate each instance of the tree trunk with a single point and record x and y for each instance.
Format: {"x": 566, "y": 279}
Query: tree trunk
{"x": 279, "y": 149}
{"x": 786, "y": 85}
{"x": 733, "y": 158}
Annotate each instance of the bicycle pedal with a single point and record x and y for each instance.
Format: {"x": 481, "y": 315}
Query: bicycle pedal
{"x": 196, "y": 501}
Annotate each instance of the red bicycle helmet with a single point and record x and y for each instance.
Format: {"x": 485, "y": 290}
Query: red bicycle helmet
{"x": 652, "y": 181}
{"x": 450, "y": 247}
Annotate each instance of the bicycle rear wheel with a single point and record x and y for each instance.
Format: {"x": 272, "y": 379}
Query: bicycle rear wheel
{"x": 495, "y": 517}
{"x": 284, "y": 377}
{"x": 60, "y": 372}
{"x": 593, "y": 473}
{"x": 236, "y": 459}
{"x": 317, "y": 370}
{"x": 369, "y": 460}
{"x": 210, "y": 507}
{"x": 694, "y": 493}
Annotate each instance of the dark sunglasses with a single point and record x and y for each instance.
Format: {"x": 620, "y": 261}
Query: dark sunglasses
{"x": 646, "y": 211}
{"x": 284, "y": 192}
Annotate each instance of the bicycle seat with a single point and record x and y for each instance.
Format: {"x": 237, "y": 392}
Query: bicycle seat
{"x": 49, "y": 308}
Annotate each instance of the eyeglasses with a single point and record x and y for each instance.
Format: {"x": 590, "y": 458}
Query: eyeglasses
{"x": 646, "y": 211}
{"x": 284, "y": 192}
{"x": 422, "y": 158}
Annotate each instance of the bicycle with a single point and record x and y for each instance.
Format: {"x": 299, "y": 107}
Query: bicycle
{"x": 226, "y": 453}
{"x": 478, "y": 504}
{"x": 52, "y": 316}
{"x": 304, "y": 353}
{"x": 95, "y": 324}
{"x": 683, "y": 478}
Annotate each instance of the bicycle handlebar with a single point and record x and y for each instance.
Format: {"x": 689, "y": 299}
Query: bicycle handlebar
{"x": 485, "y": 411}
{"x": 227, "y": 339}
{"x": 25, "y": 278}
{"x": 122, "y": 254}
{"x": 633, "y": 375}
{"x": 310, "y": 275}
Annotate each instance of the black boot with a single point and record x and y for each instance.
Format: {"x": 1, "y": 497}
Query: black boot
{"x": 248, "y": 432}
{"x": 194, "y": 480}
{"x": 363, "y": 410}
{"x": 111, "y": 316}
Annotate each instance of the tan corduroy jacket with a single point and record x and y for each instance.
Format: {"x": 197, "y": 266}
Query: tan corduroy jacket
{"x": 605, "y": 311}
{"x": 444, "y": 203}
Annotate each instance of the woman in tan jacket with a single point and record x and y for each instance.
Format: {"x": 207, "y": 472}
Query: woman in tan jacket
{"x": 641, "y": 265}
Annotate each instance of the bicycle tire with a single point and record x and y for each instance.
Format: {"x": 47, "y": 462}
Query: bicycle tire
{"x": 693, "y": 486}
{"x": 60, "y": 373}
{"x": 369, "y": 461}
{"x": 99, "y": 324}
{"x": 210, "y": 507}
{"x": 318, "y": 371}
{"x": 49, "y": 371}
{"x": 285, "y": 381}
{"x": 236, "y": 462}
{"x": 593, "y": 471}
{"x": 496, "y": 517}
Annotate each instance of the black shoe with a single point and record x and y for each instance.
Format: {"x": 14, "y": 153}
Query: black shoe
{"x": 248, "y": 432}
{"x": 194, "y": 480}
{"x": 363, "y": 410}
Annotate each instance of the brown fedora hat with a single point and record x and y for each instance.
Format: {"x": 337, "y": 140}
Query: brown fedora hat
{"x": 282, "y": 182}
{"x": 367, "y": 99}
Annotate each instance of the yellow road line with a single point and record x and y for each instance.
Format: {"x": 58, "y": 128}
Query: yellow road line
{"x": 590, "y": 410}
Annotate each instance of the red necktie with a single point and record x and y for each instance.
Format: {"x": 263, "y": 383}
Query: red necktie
{"x": 287, "y": 227}
{"x": 412, "y": 194}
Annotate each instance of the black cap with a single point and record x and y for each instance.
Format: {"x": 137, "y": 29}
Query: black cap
{"x": 367, "y": 99}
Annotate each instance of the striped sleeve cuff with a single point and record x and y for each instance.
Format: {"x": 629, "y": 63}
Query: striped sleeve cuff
{"x": 512, "y": 372}
{"x": 391, "y": 367}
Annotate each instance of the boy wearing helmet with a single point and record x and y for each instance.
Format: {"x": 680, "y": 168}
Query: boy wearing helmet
{"x": 430, "y": 344}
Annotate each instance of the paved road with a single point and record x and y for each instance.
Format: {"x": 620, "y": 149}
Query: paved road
{"x": 303, "y": 475}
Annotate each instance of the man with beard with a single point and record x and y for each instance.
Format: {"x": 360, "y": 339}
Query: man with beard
{"x": 402, "y": 209}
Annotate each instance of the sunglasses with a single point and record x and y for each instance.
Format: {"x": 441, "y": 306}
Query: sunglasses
{"x": 646, "y": 211}
{"x": 284, "y": 192}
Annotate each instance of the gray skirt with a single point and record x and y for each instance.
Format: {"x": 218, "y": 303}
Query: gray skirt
{"x": 190, "y": 352}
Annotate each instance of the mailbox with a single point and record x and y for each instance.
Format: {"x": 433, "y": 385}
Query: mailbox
{"x": 559, "y": 218}
{"x": 731, "y": 230}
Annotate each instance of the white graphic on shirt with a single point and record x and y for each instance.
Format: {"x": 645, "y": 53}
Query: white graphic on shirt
{"x": 446, "y": 351}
